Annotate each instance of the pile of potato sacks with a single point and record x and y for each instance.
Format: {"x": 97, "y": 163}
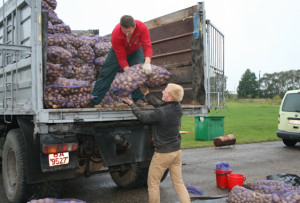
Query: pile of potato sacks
{"x": 74, "y": 63}
{"x": 268, "y": 191}
{"x": 130, "y": 80}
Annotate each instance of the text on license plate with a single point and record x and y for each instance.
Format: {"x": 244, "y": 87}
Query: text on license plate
{"x": 58, "y": 159}
{"x": 294, "y": 122}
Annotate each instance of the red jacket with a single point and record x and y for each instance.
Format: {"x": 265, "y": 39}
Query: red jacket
{"x": 140, "y": 37}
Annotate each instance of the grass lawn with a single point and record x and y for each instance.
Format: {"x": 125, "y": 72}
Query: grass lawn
{"x": 249, "y": 120}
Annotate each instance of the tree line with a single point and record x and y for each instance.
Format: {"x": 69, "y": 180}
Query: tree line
{"x": 269, "y": 85}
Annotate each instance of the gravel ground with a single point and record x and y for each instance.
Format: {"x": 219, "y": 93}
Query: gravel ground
{"x": 255, "y": 161}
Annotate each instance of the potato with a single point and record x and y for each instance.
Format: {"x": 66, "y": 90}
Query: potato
{"x": 52, "y": 72}
{"x": 89, "y": 40}
{"x": 80, "y": 100}
{"x": 53, "y": 18}
{"x": 86, "y": 53}
{"x": 103, "y": 38}
{"x": 46, "y": 6}
{"x": 67, "y": 71}
{"x": 244, "y": 195}
{"x": 58, "y": 55}
{"x": 74, "y": 40}
{"x": 54, "y": 100}
{"x": 159, "y": 77}
{"x": 269, "y": 186}
{"x": 86, "y": 73}
{"x": 50, "y": 28}
{"x": 102, "y": 48}
{"x": 61, "y": 28}
{"x": 57, "y": 40}
{"x": 125, "y": 83}
{"x": 51, "y": 3}
{"x": 66, "y": 86}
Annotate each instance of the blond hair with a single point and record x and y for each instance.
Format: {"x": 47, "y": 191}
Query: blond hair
{"x": 175, "y": 91}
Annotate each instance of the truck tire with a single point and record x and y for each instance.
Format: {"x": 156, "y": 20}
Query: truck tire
{"x": 289, "y": 143}
{"x": 13, "y": 166}
{"x": 133, "y": 176}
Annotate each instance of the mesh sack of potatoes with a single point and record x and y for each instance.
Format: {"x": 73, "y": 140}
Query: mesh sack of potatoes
{"x": 61, "y": 28}
{"x": 125, "y": 83}
{"x": 89, "y": 40}
{"x": 58, "y": 55}
{"x": 81, "y": 100}
{"x": 66, "y": 86}
{"x": 71, "y": 49}
{"x": 50, "y": 28}
{"x": 110, "y": 101}
{"x": 292, "y": 196}
{"x": 103, "y": 38}
{"x": 57, "y": 40}
{"x": 45, "y": 5}
{"x": 75, "y": 41}
{"x": 117, "y": 101}
{"x": 55, "y": 200}
{"x": 102, "y": 48}
{"x": 99, "y": 61}
{"x": 54, "y": 100}
{"x": 51, "y": 3}
{"x": 98, "y": 64}
{"x": 53, "y": 18}
{"x": 243, "y": 195}
{"x": 106, "y": 102}
{"x": 86, "y": 73}
{"x": 269, "y": 186}
{"x": 77, "y": 62}
{"x": 86, "y": 53}
{"x": 159, "y": 77}
{"x": 52, "y": 72}
{"x": 67, "y": 71}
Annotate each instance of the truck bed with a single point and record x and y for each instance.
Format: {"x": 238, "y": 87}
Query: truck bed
{"x": 104, "y": 114}
{"x": 22, "y": 78}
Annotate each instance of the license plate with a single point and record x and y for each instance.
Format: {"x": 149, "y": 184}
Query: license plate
{"x": 58, "y": 159}
{"x": 294, "y": 122}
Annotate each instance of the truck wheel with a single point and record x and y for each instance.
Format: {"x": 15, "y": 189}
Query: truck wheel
{"x": 13, "y": 166}
{"x": 289, "y": 143}
{"x": 132, "y": 176}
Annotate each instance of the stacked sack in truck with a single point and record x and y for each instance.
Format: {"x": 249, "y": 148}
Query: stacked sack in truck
{"x": 74, "y": 63}
{"x": 264, "y": 191}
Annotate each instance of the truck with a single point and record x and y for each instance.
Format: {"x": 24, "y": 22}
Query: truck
{"x": 41, "y": 145}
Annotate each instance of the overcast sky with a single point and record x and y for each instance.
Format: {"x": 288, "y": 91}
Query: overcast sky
{"x": 262, "y": 35}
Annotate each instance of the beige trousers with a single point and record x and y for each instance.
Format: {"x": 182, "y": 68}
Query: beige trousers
{"x": 159, "y": 164}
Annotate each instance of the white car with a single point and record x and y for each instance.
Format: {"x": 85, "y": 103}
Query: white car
{"x": 289, "y": 118}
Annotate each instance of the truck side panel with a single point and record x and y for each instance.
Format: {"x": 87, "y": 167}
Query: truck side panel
{"x": 20, "y": 57}
{"x": 172, "y": 41}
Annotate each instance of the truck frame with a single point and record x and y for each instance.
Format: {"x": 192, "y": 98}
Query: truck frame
{"x": 93, "y": 140}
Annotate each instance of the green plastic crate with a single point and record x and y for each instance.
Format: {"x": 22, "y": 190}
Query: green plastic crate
{"x": 208, "y": 127}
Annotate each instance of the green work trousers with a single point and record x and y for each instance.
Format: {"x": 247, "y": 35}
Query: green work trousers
{"x": 108, "y": 72}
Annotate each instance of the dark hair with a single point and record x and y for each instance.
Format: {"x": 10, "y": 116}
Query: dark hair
{"x": 127, "y": 21}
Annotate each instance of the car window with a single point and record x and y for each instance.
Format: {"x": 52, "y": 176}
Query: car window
{"x": 291, "y": 103}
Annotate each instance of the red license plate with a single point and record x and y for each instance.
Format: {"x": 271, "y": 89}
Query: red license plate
{"x": 58, "y": 159}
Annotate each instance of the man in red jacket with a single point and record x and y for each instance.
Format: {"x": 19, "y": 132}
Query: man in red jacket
{"x": 131, "y": 45}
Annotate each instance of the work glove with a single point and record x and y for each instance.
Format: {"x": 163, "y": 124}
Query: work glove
{"x": 147, "y": 69}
